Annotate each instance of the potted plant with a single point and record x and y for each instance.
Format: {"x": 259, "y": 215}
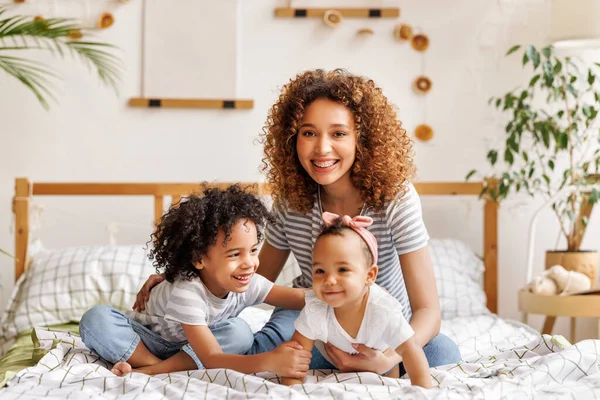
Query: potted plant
{"x": 551, "y": 141}
{"x": 58, "y": 36}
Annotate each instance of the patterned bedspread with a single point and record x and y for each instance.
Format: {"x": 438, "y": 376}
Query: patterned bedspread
{"x": 501, "y": 359}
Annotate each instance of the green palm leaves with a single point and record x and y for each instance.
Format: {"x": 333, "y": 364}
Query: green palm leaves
{"x": 54, "y": 35}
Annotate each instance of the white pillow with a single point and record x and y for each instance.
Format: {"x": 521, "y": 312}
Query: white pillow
{"x": 62, "y": 284}
{"x": 459, "y": 275}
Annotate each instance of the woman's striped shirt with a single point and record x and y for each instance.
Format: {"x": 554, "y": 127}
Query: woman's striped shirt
{"x": 398, "y": 228}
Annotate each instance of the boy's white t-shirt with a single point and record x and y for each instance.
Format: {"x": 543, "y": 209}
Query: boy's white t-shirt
{"x": 383, "y": 325}
{"x": 191, "y": 303}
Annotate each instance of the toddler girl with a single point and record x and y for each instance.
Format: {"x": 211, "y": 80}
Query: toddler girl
{"x": 346, "y": 307}
{"x": 208, "y": 247}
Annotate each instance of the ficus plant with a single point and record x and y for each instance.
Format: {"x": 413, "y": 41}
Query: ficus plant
{"x": 551, "y": 138}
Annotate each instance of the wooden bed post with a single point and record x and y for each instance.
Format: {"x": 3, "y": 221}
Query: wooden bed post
{"x": 490, "y": 251}
{"x": 158, "y": 208}
{"x": 21, "y": 211}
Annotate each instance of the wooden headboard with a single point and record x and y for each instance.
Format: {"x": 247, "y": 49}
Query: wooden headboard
{"x": 25, "y": 189}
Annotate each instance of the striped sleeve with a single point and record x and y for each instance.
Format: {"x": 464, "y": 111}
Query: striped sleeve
{"x": 275, "y": 233}
{"x": 186, "y": 304}
{"x": 405, "y": 219}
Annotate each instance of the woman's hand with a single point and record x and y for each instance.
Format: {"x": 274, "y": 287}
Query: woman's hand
{"x": 144, "y": 294}
{"x": 367, "y": 359}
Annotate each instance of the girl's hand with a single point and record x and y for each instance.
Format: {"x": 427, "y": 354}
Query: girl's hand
{"x": 144, "y": 294}
{"x": 367, "y": 359}
{"x": 290, "y": 360}
{"x": 415, "y": 363}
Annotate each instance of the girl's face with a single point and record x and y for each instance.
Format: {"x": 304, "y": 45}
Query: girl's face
{"x": 326, "y": 143}
{"x": 230, "y": 268}
{"x": 341, "y": 271}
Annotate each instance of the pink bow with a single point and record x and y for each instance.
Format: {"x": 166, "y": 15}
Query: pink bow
{"x": 359, "y": 225}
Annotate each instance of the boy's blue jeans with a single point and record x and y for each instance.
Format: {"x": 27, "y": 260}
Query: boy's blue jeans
{"x": 114, "y": 336}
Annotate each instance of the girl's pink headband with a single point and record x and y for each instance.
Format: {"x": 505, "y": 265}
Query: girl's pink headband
{"x": 359, "y": 225}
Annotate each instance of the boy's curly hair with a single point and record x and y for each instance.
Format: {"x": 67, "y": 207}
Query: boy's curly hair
{"x": 187, "y": 231}
{"x": 384, "y": 156}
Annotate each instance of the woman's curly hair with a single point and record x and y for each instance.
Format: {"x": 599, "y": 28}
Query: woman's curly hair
{"x": 384, "y": 156}
{"x": 188, "y": 230}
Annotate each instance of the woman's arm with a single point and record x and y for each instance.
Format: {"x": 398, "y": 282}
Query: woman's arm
{"x": 143, "y": 295}
{"x": 271, "y": 261}
{"x": 415, "y": 363}
{"x": 417, "y": 270}
{"x": 307, "y": 344}
{"x": 289, "y": 359}
{"x": 286, "y": 297}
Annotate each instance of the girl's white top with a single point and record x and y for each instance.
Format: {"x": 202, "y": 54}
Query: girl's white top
{"x": 383, "y": 325}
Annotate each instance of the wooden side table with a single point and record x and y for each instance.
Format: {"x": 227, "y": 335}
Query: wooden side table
{"x": 560, "y": 306}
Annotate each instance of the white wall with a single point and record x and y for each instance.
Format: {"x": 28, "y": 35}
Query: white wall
{"x": 93, "y": 136}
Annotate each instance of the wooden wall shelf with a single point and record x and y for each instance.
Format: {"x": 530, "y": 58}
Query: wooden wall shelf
{"x": 191, "y": 103}
{"x": 346, "y": 12}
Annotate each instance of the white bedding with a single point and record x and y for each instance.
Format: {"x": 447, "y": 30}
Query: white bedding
{"x": 501, "y": 359}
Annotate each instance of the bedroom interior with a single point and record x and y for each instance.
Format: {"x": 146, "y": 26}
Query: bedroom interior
{"x": 86, "y": 180}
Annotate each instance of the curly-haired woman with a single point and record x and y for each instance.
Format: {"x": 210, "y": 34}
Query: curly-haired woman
{"x": 208, "y": 248}
{"x": 333, "y": 143}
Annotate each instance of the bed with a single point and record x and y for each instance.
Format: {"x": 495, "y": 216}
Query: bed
{"x": 44, "y": 357}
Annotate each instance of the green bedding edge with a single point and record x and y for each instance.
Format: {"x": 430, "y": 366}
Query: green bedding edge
{"x": 26, "y": 352}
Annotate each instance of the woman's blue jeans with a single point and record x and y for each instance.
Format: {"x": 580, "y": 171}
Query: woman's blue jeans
{"x": 441, "y": 350}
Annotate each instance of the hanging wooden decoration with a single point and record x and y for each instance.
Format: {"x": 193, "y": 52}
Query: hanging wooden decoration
{"x": 403, "y": 32}
{"x": 105, "y": 20}
{"x": 424, "y": 132}
{"x": 75, "y": 34}
{"x": 333, "y": 18}
{"x": 422, "y": 85}
{"x": 365, "y": 31}
{"x": 41, "y": 20}
{"x": 420, "y": 42}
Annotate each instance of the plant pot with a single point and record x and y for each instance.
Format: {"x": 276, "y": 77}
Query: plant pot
{"x": 585, "y": 262}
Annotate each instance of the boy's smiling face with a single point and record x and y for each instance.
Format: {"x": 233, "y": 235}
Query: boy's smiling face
{"x": 230, "y": 268}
